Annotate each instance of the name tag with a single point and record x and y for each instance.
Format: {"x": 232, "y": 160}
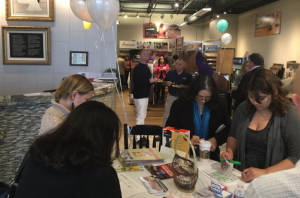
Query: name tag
{"x": 183, "y": 78}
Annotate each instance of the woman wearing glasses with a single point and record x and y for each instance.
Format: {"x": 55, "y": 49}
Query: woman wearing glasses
{"x": 202, "y": 112}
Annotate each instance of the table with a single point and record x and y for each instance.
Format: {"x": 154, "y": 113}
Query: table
{"x": 203, "y": 180}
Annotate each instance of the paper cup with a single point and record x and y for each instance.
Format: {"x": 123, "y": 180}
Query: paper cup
{"x": 205, "y": 150}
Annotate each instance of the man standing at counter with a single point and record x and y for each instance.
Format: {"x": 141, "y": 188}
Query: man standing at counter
{"x": 142, "y": 79}
{"x": 177, "y": 80}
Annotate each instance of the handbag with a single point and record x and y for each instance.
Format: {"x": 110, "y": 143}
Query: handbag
{"x": 185, "y": 171}
{"x": 8, "y": 191}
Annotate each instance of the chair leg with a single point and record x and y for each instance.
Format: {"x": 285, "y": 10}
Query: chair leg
{"x": 125, "y": 136}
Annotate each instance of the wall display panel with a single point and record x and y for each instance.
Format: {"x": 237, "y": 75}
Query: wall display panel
{"x": 29, "y": 10}
{"x": 26, "y": 45}
{"x": 161, "y": 30}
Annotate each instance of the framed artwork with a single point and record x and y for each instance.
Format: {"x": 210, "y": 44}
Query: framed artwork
{"x": 79, "y": 58}
{"x": 268, "y": 25}
{"x": 26, "y": 45}
{"x": 29, "y": 10}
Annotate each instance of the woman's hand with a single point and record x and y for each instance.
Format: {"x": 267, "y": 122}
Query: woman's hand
{"x": 196, "y": 140}
{"x": 214, "y": 144}
{"x": 252, "y": 173}
{"x": 226, "y": 155}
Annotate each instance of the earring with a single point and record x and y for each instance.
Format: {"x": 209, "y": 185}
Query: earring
{"x": 72, "y": 105}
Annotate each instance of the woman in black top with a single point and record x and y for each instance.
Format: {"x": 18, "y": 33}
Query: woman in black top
{"x": 74, "y": 160}
{"x": 202, "y": 112}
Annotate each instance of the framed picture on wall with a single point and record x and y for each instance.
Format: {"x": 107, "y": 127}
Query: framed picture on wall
{"x": 268, "y": 25}
{"x": 79, "y": 58}
{"x": 29, "y": 10}
{"x": 26, "y": 45}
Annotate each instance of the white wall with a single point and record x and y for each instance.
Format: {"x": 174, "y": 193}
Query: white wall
{"x": 67, "y": 34}
{"x": 278, "y": 48}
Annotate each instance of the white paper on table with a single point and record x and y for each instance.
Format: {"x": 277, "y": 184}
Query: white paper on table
{"x": 129, "y": 187}
{"x": 169, "y": 153}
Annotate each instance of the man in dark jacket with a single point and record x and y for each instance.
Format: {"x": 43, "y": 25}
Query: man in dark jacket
{"x": 142, "y": 80}
{"x": 256, "y": 61}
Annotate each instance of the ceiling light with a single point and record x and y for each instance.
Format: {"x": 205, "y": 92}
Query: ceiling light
{"x": 202, "y": 12}
{"x": 183, "y": 23}
{"x": 137, "y": 15}
{"x": 86, "y": 25}
{"x": 171, "y": 16}
{"x": 162, "y": 16}
{"x": 225, "y": 12}
{"x": 117, "y": 22}
{"x": 125, "y": 16}
{"x": 218, "y": 16}
{"x": 176, "y": 4}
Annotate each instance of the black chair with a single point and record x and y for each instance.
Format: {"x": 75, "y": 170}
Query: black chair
{"x": 143, "y": 130}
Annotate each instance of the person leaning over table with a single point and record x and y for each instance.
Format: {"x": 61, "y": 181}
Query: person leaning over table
{"x": 72, "y": 91}
{"x": 201, "y": 111}
{"x": 265, "y": 129}
{"x": 282, "y": 183}
{"x": 75, "y": 159}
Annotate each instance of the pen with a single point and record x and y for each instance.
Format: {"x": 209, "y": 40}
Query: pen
{"x": 231, "y": 161}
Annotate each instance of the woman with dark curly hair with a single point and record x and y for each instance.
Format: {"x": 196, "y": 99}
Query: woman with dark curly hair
{"x": 75, "y": 159}
{"x": 201, "y": 111}
{"x": 265, "y": 129}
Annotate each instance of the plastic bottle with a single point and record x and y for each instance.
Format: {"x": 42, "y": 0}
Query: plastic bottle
{"x": 239, "y": 191}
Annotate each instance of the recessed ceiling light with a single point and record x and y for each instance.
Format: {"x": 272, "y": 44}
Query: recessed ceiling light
{"x": 225, "y": 12}
{"x": 125, "y": 16}
{"x": 176, "y": 4}
{"x": 218, "y": 16}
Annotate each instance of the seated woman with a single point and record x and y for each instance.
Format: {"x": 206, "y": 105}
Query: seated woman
{"x": 72, "y": 91}
{"x": 75, "y": 159}
{"x": 201, "y": 111}
{"x": 265, "y": 128}
{"x": 161, "y": 70}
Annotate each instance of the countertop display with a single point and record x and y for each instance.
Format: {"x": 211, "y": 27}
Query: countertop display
{"x": 20, "y": 120}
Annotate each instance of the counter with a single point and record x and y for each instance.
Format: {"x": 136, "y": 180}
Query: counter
{"x": 20, "y": 119}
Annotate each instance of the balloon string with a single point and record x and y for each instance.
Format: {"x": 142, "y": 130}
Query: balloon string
{"x": 100, "y": 32}
{"x": 122, "y": 101}
{"x": 115, "y": 83}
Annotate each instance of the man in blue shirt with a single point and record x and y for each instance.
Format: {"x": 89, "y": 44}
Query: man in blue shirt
{"x": 177, "y": 81}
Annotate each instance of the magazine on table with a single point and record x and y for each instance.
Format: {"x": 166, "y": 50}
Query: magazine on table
{"x": 154, "y": 185}
{"x": 163, "y": 171}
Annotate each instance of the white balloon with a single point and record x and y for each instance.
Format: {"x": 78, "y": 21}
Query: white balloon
{"x": 226, "y": 38}
{"x": 79, "y": 8}
{"x": 103, "y": 12}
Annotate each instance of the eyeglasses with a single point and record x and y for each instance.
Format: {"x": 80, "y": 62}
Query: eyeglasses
{"x": 208, "y": 98}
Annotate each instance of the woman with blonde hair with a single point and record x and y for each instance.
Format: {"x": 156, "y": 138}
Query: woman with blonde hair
{"x": 72, "y": 91}
{"x": 245, "y": 69}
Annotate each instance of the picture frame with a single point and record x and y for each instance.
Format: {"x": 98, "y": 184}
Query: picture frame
{"x": 28, "y": 10}
{"x": 26, "y": 45}
{"x": 269, "y": 24}
{"x": 79, "y": 58}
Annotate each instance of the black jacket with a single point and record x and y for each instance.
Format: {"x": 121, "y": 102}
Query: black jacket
{"x": 182, "y": 116}
{"x": 38, "y": 180}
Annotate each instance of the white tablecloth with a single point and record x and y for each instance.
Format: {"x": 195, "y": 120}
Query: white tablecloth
{"x": 203, "y": 180}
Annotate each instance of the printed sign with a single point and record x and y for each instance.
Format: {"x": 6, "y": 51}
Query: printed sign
{"x": 128, "y": 44}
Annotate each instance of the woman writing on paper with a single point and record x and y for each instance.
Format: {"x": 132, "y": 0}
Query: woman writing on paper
{"x": 201, "y": 111}
{"x": 75, "y": 159}
{"x": 264, "y": 135}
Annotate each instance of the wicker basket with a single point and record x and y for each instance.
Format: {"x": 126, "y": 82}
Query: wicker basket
{"x": 185, "y": 171}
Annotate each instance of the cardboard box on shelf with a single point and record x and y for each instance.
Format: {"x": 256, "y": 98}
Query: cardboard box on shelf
{"x": 169, "y": 137}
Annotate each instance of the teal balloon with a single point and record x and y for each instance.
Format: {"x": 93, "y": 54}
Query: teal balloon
{"x": 222, "y": 25}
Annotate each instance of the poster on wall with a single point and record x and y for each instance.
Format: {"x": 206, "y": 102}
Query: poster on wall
{"x": 30, "y": 10}
{"x": 268, "y": 25}
{"x": 161, "y": 30}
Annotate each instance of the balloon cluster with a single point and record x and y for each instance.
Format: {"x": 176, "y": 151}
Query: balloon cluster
{"x": 222, "y": 25}
{"x": 103, "y": 12}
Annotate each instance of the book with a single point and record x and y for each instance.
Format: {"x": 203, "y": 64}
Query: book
{"x": 164, "y": 171}
{"x": 138, "y": 157}
{"x": 154, "y": 185}
{"x": 129, "y": 169}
